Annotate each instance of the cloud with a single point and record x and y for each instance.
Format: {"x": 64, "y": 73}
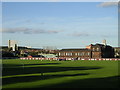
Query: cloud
{"x": 14, "y": 30}
{"x": 29, "y": 31}
{"x": 108, "y": 4}
{"x": 79, "y": 34}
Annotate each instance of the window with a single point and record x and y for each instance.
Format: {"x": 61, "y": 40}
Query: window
{"x": 76, "y": 54}
{"x": 88, "y": 53}
{"x": 97, "y": 49}
{"x": 79, "y": 54}
{"x": 68, "y": 54}
{"x": 63, "y": 54}
{"x": 93, "y": 49}
{"x": 59, "y": 54}
{"x": 82, "y": 53}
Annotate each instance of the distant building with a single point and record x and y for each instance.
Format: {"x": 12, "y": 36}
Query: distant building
{"x": 91, "y": 51}
{"x": 74, "y": 53}
{"x": 117, "y": 52}
{"x": 12, "y": 44}
{"x": 102, "y": 51}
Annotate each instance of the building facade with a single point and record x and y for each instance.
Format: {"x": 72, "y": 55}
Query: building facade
{"x": 117, "y": 52}
{"x": 91, "y": 51}
{"x": 102, "y": 51}
{"x": 74, "y": 53}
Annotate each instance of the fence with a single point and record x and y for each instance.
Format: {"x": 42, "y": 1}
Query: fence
{"x": 51, "y": 59}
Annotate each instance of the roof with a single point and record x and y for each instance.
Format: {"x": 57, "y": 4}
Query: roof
{"x": 101, "y": 45}
{"x": 116, "y": 47}
{"x": 3, "y": 46}
{"x": 82, "y": 49}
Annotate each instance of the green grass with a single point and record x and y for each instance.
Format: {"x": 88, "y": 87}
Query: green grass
{"x": 59, "y": 74}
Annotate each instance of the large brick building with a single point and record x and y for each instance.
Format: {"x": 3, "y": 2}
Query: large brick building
{"x": 73, "y": 53}
{"x": 91, "y": 51}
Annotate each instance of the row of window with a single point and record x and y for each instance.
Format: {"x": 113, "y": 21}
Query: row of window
{"x": 95, "y": 49}
{"x": 77, "y": 54}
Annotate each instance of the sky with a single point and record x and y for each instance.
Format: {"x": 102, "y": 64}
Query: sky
{"x": 60, "y": 0}
{"x": 59, "y": 24}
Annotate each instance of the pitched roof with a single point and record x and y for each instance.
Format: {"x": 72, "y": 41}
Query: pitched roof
{"x": 82, "y": 49}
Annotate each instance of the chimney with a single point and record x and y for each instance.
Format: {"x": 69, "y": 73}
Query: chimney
{"x": 9, "y": 44}
{"x": 104, "y": 42}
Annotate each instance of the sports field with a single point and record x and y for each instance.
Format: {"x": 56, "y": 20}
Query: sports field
{"x": 59, "y": 74}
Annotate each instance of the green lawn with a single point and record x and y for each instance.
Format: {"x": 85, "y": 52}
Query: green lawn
{"x": 59, "y": 74}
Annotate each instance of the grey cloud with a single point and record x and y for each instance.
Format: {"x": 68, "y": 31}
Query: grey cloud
{"x": 79, "y": 34}
{"x": 14, "y": 30}
{"x": 54, "y": 31}
{"x": 29, "y": 31}
{"x": 108, "y": 4}
{"x": 44, "y": 31}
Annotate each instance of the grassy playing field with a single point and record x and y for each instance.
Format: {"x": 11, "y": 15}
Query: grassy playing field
{"x": 59, "y": 74}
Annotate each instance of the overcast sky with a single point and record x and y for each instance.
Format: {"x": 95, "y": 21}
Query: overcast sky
{"x": 60, "y": 24}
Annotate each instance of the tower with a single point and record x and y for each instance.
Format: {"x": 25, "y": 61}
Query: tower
{"x": 104, "y": 42}
{"x": 9, "y": 44}
{"x": 12, "y": 44}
